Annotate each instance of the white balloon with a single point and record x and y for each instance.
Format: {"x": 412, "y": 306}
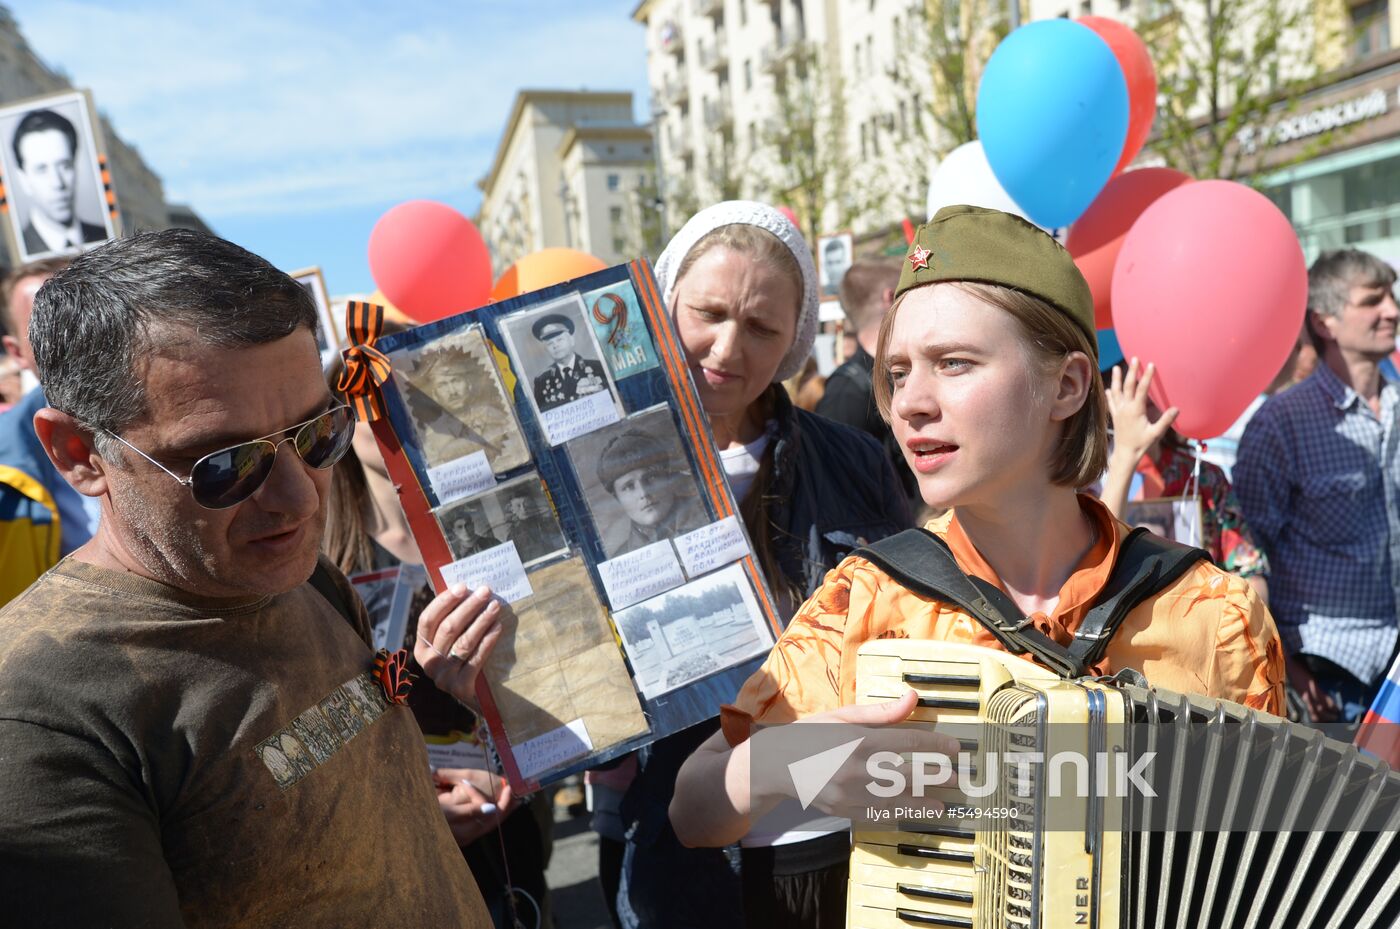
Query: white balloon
{"x": 965, "y": 177}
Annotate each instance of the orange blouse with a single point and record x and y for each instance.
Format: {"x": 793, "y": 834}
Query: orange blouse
{"x": 1208, "y": 633}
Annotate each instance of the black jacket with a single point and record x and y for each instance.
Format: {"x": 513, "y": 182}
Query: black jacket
{"x": 833, "y": 490}
{"x": 850, "y": 399}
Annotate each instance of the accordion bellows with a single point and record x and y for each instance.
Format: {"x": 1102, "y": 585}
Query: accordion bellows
{"x": 1249, "y": 820}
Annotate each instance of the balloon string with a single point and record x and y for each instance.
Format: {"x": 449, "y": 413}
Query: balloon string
{"x": 1193, "y": 493}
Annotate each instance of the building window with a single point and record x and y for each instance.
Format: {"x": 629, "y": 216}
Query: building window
{"x": 748, "y": 74}
{"x": 619, "y": 245}
{"x": 614, "y": 181}
{"x": 753, "y": 137}
{"x": 1370, "y": 24}
{"x": 743, "y": 12}
{"x": 1352, "y": 206}
{"x": 1087, "y": 7}
{"x": 615, "y": 214}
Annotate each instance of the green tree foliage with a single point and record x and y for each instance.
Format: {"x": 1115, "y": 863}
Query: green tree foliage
{"x": 1226, "y": 69}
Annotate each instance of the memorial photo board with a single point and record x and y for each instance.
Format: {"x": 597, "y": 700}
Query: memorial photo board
{"x": 552, "y": 447}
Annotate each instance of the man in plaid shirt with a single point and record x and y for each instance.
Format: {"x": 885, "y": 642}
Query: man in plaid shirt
{"x": 1318, "y": 476}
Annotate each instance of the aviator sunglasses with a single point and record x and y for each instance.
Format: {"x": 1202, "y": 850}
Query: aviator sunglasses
{"x": 231, "y": 475}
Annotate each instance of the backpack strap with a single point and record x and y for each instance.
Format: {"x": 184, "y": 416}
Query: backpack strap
{"x": 1146, "y": 565}
{"x": 922, "y": 562}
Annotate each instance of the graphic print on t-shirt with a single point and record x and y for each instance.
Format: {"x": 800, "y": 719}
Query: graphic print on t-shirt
{"x": 312, "y": 738}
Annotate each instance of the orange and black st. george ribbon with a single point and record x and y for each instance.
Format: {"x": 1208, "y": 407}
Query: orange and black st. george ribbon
{"x": 366, "y": 367}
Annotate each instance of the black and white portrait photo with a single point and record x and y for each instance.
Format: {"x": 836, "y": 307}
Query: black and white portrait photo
{"x": 558, "y": 356}
{"x": 53, "y": 179}
{"x": 834, "y": 255}
{"x": 637, "y": 481}
{"x": 516, "y": 511}
{"x": 702, "y": 628}
{"x": 327, "y": 332}
{"x": 457, "y": 402}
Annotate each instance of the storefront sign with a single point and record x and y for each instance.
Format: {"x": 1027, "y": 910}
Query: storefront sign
{"x": 1315, "y": 122}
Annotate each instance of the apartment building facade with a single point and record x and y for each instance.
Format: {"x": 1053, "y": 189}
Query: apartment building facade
{"x": 572, "y": 169}
{"x": 722, "y": 74}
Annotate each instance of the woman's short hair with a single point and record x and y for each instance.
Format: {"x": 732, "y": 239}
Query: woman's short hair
{"x": 1049, "y": 336}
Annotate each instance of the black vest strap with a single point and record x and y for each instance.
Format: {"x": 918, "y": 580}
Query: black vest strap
{"x": 1146, "y": 564}
{"x": 922, "y": 561}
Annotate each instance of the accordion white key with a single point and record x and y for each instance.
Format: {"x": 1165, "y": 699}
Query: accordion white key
{"x": 1245, "y": 820}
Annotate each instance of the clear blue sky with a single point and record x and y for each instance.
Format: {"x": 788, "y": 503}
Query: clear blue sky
{"x": 292, "y": 126}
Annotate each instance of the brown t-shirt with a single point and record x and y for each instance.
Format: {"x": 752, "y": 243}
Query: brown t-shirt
{"x": 169, "y": 760}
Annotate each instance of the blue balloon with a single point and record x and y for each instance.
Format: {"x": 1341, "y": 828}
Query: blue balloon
{"x": 1110, "y": 352}
{"x": 1052, "y": 113}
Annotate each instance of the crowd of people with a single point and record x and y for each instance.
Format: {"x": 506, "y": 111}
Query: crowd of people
{"x": 189, "y": 732}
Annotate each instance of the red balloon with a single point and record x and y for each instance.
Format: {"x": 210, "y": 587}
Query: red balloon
{"x": 1096, "y": 237}
{"x": 1211, "y": 287}
{"x": 1131, "y": 52}
{"x": 429, "y": 260}
{"x": 791, "y": 216}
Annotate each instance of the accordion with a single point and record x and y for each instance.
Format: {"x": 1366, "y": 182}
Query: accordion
{"x": 1124, "y": 806}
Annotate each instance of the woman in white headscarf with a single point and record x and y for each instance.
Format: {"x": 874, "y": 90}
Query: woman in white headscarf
{"x": 742, "y": 291}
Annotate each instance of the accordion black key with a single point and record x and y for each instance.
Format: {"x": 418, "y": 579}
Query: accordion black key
{"x": 1110, "y": 804}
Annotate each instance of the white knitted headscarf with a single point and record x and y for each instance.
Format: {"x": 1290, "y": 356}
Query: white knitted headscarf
{"x": 749, "y": 213}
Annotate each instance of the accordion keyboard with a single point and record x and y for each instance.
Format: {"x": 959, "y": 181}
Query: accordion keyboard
{"x": 1262, "y": 823}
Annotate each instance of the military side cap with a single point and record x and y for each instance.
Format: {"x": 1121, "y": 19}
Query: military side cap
{"x": 969, "y": 243}
{"x": 553, "y": 319}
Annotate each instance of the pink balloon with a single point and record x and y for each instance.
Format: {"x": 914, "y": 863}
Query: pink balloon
{"x": 1210, "y": 286}
{"x": 429, "y": 260}
{"x": 791, "y": 216}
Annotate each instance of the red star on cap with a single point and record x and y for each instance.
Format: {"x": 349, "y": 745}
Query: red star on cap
{"x": 919, "y": 259}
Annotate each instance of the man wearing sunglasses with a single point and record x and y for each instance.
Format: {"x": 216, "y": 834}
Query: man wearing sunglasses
{"x": 190, "y": 731}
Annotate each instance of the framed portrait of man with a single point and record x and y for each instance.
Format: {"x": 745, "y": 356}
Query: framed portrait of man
{"x": 835, "y": 253}
{"x": 457, "y": 402}
{"x": 638, "y": 482}
{"x": 515, "y": 511}
{"x": 560, "y": 362}
{"x": 327, "y": 332}
{"x": 51, "y": 162}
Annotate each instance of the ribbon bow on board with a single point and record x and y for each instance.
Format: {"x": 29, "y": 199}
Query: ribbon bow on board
{"x": 366, "y": 367}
